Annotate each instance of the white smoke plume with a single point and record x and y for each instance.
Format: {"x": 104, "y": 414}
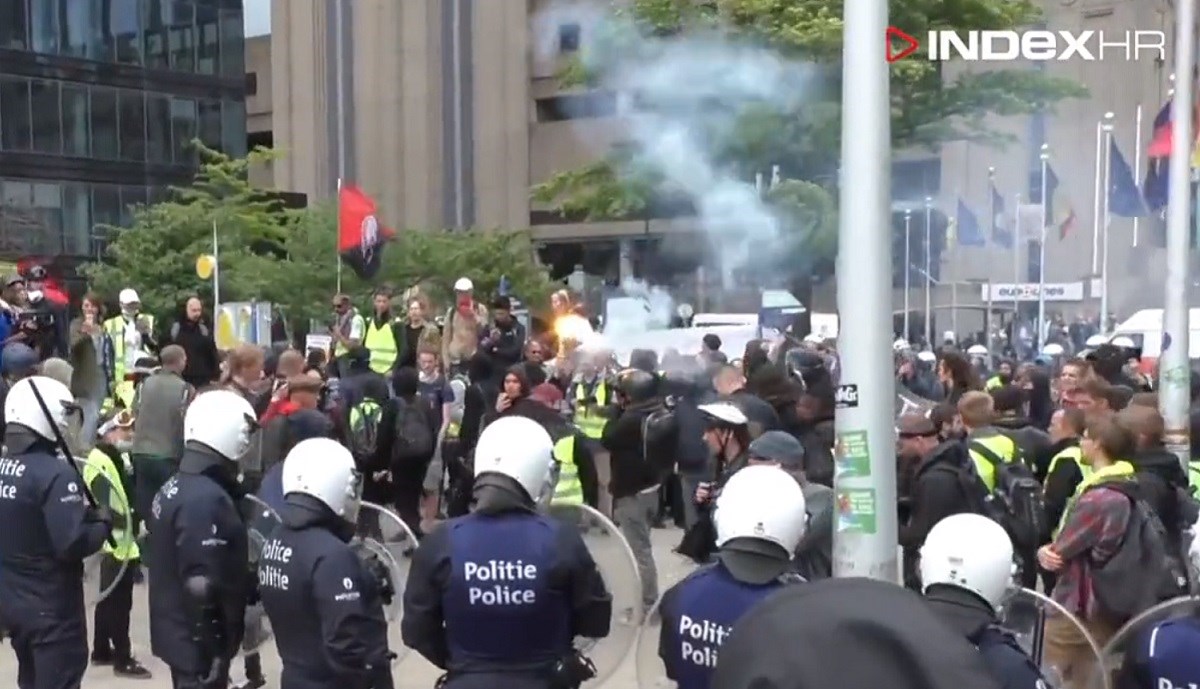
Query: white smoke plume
{"x": 687, "y": 94}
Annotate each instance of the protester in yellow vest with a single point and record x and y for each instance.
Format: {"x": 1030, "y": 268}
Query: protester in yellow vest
{"x": 131, "y": 332}
{"x": 108, "y": 475}
{"x": 1066, "y": 468}
{"x": 987, "y": 445}
{"x": 568, "y": 490}
{"x": 590, "y": 397}
{"x": 382, "y": 337}
{"x": 347, "y": 330}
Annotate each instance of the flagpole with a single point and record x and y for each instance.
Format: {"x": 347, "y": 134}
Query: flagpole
{"x": 337, "y": 236}
{"x": 1017, "y": 239}
{"x": 339, "y": 49}
{"x": 1096, "y": 201}
{"x": 1137, "y": 162}
{"x": 1108, "y": 134}
{"x": 1041, "y": 318}
{"x": 987, "y": 316}
{"x": 907, "y": 269}
{"x": 928, "y": 273}
{"x": 216, "y": 271}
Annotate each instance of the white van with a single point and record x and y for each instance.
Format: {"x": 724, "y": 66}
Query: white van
{"x": 1145, "y": 329}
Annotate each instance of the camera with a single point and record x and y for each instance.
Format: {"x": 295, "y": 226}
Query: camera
{"x": 36, "y": 319}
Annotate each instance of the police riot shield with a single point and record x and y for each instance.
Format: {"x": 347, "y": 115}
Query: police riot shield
{"x": 1027, "y": 615}
{"x": 261, "y": 521}
{"x": 385, "y": 544}
{"x": 103, "y": 570}
{"x": 651, "y": 670}
{"x": 1137, "y": 633}
{"x": 614, "y": 558}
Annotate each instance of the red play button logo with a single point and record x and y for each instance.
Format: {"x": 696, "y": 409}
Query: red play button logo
{"x": 899, "y": 44}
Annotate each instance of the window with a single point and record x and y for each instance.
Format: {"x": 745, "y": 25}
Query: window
{"x": 77, "y": 220}
{"x": 82, "y": 30}
{"x": 123, "y": 20}
{"x": 133, "y": 125}
{"x": 233, "y": 43}
{"x": 916, "y": 179}
{"x": 181, "y": 42}
{"x": 568, "y": 38}
{"x": 251, "y": 83}
{"x": 158, "y": 128}
{"x": 15, "y": 127}
{"x": 233, "y": 128}
{"x": 154, "y": 36}
{"x": 104, "y": 123}
{"x": 183, "y": 129}
{"x": 14, "y": 25}
{"x": 106, "y": 211}
{"x": 576, "y": 107}
{"x": 207, "y": 28}
{"x": 75, "y": 121}
{"x": 47, "y": 204}
{"x": 209, "y": 131}
{"x": 47, "y": 127}
{"x": 43, "y": 23}
{"x": 131, "y": 197}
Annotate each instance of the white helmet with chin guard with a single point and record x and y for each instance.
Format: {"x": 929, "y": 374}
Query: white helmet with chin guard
{"x": 519, "y": 448}
{"x": 971, "y": 552}
{"x": 222, "y": 421}
{"x": 324, "y": 469}
{"x": 762, "y": 502}
{"x": 21, "y": 406}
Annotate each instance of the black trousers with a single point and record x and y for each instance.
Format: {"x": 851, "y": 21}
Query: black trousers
{"x": 409, "y": 481}
{"x": 51, "y": 654}
{"x": 149, "y": 474}
{"x": 188, "y": 680}
{"x": 110, "y": 626}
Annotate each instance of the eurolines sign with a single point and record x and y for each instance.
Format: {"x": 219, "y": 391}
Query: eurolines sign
{"x": 1034, "y": 45}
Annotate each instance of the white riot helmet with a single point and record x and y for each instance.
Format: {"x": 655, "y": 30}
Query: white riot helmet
{"x": 324, "y": 469}
{"x": 926, "y": 356}
{"x": 21, "y": 406}
{"x": 971, "y": 552}
{"x": 724, "y": 413}
{"x": 762, "y": 502}
{"x": 520, "y": 449}
{"x": 1096, "y": 340}
{"x": 900, "y": 345}
{"x": 1053, "y": 349}
{"x": 222, "y": 421}
{"x": 977, "y": 350}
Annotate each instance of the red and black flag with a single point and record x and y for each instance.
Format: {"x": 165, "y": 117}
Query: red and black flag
{"x": 360, "y": 235}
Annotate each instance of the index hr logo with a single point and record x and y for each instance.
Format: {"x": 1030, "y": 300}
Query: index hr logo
{"x": 1034, "y": 45}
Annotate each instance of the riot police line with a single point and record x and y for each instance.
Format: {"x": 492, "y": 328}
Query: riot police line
{"x": 512, "y": 594}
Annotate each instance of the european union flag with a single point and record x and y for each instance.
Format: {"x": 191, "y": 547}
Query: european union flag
{"x": 1001, "y": 232}
{"x": 1124, "y": 198}
{"x": 969, "y": 233}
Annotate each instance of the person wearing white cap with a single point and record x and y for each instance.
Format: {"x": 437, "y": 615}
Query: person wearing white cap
{"x": 465, "y": 323}
{"x": 131, "y": 332}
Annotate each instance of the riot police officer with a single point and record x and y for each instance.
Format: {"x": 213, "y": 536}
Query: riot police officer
{"x": 49, "y": 528}
{"x": 760, "y": 519}
{"x": 495, "y": 597}
{"x": 324, "y": 603}
{"x": 966, "y": 570}
{"x": 198, "y": 565}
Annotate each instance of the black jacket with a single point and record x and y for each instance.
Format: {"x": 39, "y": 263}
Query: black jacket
{"x": 761, "y": 414}
{"x": 196, "y": 338}
{"x": 1161, "y": 480}
{"x": 1032, "y": 441}
{"x": 631, "y": 473}
{"x": 504, "y": 345}
{"x": 1061, "y": 483}
{"x": 818, "y": 439}
{"x": 970, "y": 616}
{"x": 938, "y": 492}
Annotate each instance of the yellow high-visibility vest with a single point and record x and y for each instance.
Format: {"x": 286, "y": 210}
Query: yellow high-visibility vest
{"x": 993, "y": 383}
{"x": 1194, "y": 475}
{"x": 1002, "y": 446}
{"x": 382, "y": 344}
{"x": 568, "y": 490}
{"x": 1119, "y": 471}
{"x": 1071, "y": 454}
{"x": 123, "y": 390}
{"x": 341, "y": 349}
{"x": 590, "y": 422}
{"x": 99, "y": 463}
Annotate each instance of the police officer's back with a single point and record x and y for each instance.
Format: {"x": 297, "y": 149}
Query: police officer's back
{"x": 49, "y": 528}
{"x": 496, "y": 597}
{"x": 966, "y": 570}
{"x": 325, "y": 605}
{"x": 760, "y": 520}
{"x": 198, "y": 553}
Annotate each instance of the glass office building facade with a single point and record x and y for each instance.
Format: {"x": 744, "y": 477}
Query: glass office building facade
{"x": 99, "y": 103}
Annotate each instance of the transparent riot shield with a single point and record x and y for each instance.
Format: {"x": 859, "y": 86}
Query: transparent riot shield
{"x": 1136, "y": 634}
{"x": 261, "y": 522}
{"x": 614, "y": 558}
{"x": 385, "y": 544}
{"x": 1026, "y": 614}
{"x": 104, "y": 569}
{"x": 651, "y": 670}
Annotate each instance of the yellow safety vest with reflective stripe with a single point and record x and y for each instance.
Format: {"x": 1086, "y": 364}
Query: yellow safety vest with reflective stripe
{"x": 568, "y": 490}
{"x": 1194, "y": 475}
{"x": 1002, "y": 446}
{"x": 123, "y": 390}
{"x": 993, "y": 383}
{"x": 341, "y": 349}
{"x": 1071, "y": 454}
{"x": 587, "y": 420}
{"x": 99, "y": 463}
{"x": 1119, "y": 471}
{"x": 382, "y": 344}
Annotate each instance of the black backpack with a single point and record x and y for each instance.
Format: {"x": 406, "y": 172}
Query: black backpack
{"x": 660, "y": 433}
{"x": 363, "y": 433}
{"x": 1142, "y": 572}
{"x": 414, "y": 433}
{"x": 1016, "y": 502}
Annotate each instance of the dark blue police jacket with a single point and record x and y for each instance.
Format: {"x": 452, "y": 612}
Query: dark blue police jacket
{"x": 1165, "y": 656}
{"x": 44, "y": 537}
{"x": 270, "y": 490}
{"x": 324, "y": 607}
{"x": 503, "y": 579}
{"x": 698, "y": 614}
{"x": 195, "y": 530}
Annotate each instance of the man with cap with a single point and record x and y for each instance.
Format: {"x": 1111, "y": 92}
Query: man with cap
{"x": 466, "y": 322}
{"x": 15, "y": 298}
{"x": 759, "y": 520}
{"x": 814, "y": 555}
{"x": 130, "y": 332}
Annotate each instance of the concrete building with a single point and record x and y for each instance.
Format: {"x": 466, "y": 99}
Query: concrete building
{"x": 451, "y": 114}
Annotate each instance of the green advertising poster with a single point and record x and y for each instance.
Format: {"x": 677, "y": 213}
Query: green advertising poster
{"x": 856, "y": 510}
{"x": 853, "y": 455}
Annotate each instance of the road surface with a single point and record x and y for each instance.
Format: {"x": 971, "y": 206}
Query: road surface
{"x": 412, "y": 673}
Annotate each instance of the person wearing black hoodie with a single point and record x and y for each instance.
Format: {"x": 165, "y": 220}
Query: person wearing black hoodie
{"x": 192, "y": 331}
{"x": 1009, "y": 404}
{"x": 1162, "y": 482}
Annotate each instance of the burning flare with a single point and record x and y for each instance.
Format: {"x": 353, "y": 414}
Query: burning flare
{"x": 573, "y": 330}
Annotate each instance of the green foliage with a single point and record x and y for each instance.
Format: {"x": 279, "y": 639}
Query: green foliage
{"x": 808, "y": 215}
{"x": 288, "y": 256}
